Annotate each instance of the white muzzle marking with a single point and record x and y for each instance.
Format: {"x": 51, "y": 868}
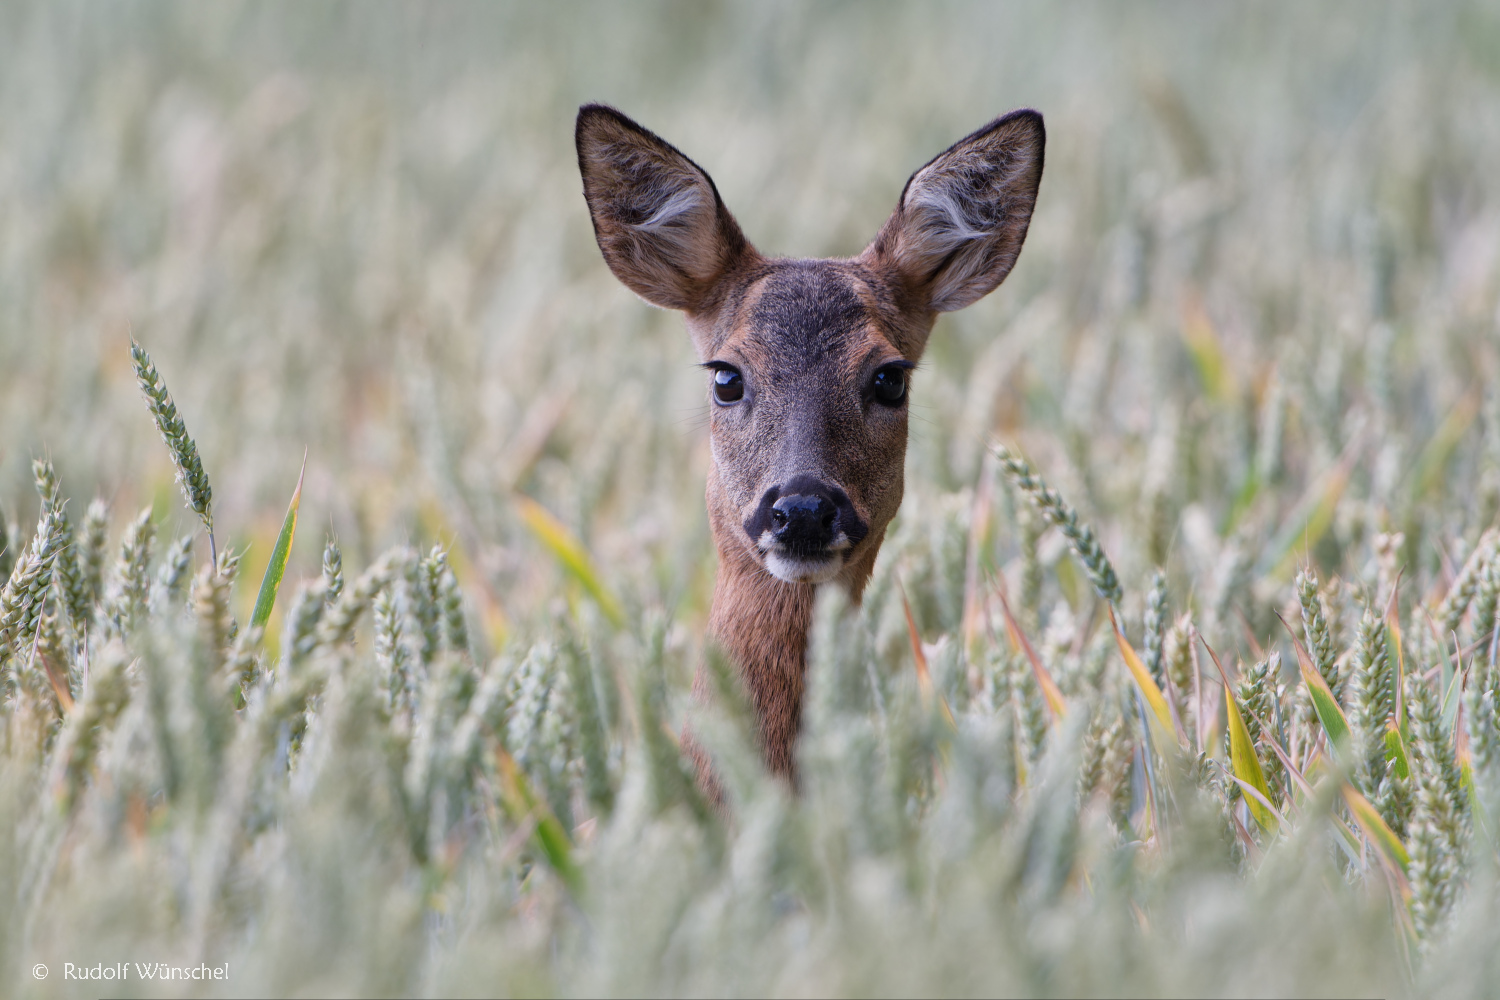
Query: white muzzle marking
{"x": 819, "y": 568}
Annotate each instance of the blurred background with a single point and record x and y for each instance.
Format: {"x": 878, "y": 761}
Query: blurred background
{"x": 1268, "y": 238}
{"x": 1255, "y": 329}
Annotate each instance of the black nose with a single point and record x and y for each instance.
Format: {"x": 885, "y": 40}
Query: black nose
{"x": 804, "y": 515}
{"x": 803, "y": 522}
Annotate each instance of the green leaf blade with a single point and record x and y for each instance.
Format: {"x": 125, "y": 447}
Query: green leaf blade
{"x": 1327, "y": 707}
{"x": 1246, "y": 764}
{"x": 1376, "y": 829}
{"x": 571, "y": 554}
{"x": 1395, "y": 749}
{"x": 1143, "y": 679}
{"x": 548, "y": 835}
{"x": 1335, "y": 723}
{"x": 270, "y": 584}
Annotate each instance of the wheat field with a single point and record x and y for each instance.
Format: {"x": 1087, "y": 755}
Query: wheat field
{"x": 1241, "y": 395}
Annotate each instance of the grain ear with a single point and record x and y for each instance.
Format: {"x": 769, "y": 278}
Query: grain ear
{"x": 960, "y": 223}
{"x": 659, "y": 221}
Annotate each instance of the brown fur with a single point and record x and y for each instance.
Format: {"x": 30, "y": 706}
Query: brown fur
{"x": 807, "y": 337}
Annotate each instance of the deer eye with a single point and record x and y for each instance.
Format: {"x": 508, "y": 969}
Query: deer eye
{"x": 889, "y": 385}
{"x": 728, "y": 386}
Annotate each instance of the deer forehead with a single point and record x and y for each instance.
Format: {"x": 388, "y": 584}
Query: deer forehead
{"x": 819, "y": 318}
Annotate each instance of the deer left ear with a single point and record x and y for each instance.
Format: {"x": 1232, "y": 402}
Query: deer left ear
{"x": 657, "y": 217}
{"x": 961, "y": 220}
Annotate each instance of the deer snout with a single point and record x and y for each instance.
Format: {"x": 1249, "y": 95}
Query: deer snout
{"x": 804, "y": 528}
{"x": 803, "y": 523}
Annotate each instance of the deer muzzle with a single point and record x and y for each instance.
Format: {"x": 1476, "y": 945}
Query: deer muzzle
{"x": 805, "y": 529}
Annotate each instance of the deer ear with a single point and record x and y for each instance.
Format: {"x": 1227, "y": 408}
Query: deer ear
{"x": 961, "y": 220}
{"x": 657, "y": 216}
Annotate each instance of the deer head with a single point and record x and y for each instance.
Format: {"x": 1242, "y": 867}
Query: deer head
{"x": 809, "y": 364}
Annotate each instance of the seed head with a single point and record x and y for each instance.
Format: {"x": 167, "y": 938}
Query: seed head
{"x": 91, "y": 556}
{"x": 1319, "y": 638}
{"x": 172, "y": 579}
{"x": 70, "y": 579}
{"x": 1451, "y": 611}
{"x": 1155, "y": 624}
{"x": 9, "y": 540}
{"x": 1050, "y": 504}
{"x": 333, "y": 571}
{"x": 1374, "y": 692}
{"x": 24, "y": 597}
{"x": 132, "y": 584}
{"x": 190, "y": 475}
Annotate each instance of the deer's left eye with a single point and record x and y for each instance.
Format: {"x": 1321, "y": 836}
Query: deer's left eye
{"x": 888, "y": 387}
{"x": 728, "y": 386}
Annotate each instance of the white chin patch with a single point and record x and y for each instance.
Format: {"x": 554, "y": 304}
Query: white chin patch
{"x": 795, "y": 570}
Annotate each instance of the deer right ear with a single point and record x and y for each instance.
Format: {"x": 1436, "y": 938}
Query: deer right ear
{"x": 659, "y": 221}
{"x": 961, "y": 221}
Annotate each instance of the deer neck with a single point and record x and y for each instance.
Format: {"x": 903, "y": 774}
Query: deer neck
{"x": 761, "y": 623}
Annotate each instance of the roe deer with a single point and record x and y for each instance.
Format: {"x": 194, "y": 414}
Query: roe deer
{"x": 809, "y": 365}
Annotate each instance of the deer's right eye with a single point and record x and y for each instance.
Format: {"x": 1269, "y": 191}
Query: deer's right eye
{"x": 728, "y": 386}
{"x": 889, "y": 385}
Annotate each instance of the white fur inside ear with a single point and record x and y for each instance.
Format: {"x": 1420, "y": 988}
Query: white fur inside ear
{"x": 658, "y": 222}
{"x": 680, "y": 234}
{"x": 964, "y": 215}
{"x": 942, "y": 227}
{"x": 674, "y": 209}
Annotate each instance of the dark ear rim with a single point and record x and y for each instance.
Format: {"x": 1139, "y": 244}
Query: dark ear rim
{"x": 1029, "y": 115}
{"x": 588, "y": 113}
{"x": 912, "y": 290}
